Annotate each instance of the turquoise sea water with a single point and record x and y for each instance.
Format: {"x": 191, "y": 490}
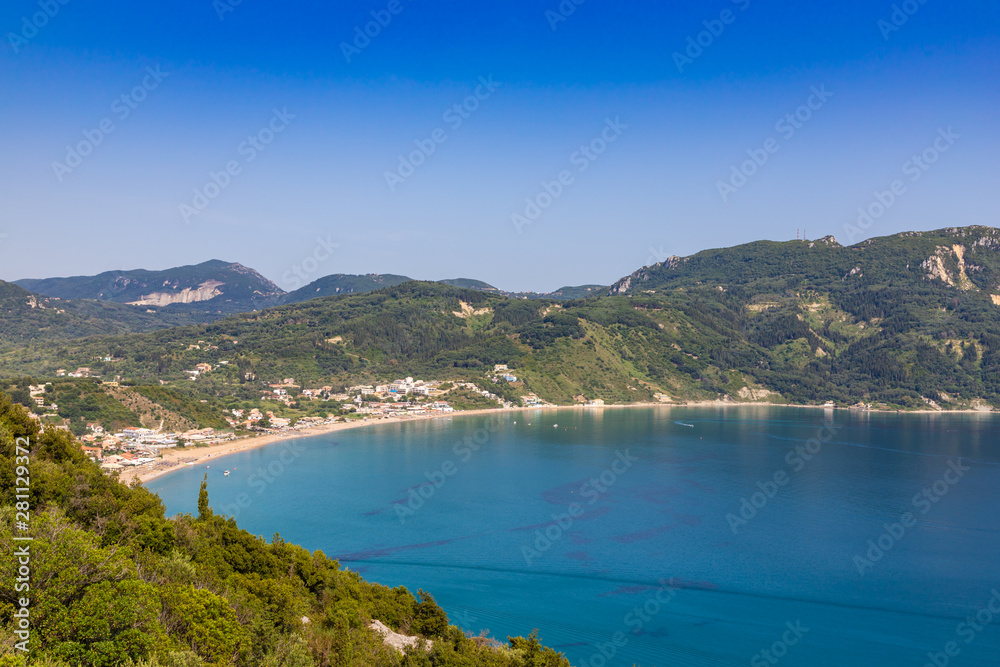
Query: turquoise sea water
{"x": 623, "y": 536}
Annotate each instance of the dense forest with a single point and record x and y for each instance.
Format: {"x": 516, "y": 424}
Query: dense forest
{"x": 115, "y": 582}
{"x": 908, "y": 321}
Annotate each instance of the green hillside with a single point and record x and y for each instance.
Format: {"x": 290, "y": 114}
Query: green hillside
{"x": 115, "y": 582}
{"x": 578, "y": 292}
{"x": 909, "y": 321}
{"x": 27, "y": 317}
{"x": 213, "y": 286}
{"x": 341, "y": 283}
{"x": 469, "y": 283}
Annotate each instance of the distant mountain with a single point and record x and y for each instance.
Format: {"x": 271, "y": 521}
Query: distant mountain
{"x": 469, "y": 283}
{"x": 342, "y": 283}
{"x": 132, "y": 301}
{"x": 963, "y": 258}
{"x": 911, "y": 320}
{"x": 565, "y": 293}
{"x": 28, "y": 317}
{"x": 213, "y": 286}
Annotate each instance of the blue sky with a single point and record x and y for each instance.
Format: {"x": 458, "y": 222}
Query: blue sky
{"x": 487, "y": 201}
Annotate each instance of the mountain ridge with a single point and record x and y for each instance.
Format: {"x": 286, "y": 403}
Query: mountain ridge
{"x": 212, "y": 285}
{"x": 203, "y": 287}
{"x": 906, "y": 321}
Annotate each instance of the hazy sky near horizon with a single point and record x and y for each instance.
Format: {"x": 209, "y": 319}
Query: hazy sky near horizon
{"x": 645, "y": 141}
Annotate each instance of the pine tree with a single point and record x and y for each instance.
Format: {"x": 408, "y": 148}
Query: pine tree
{"x": 204, "y": 511}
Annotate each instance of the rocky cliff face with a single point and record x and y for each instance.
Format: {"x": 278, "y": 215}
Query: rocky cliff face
{"x": 204, "y": 292}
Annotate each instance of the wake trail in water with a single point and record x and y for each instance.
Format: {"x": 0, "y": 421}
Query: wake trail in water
{"x": 659, "y": 584}
{"x": 844, "y": 443}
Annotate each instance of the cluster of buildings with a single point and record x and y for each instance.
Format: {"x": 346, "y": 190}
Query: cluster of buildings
{"x": 371, "y": 400}
{"x": 473, "y": 387}
{"x": 201, "y": 369}
{"x": 401, "y": 398}
{"x": 82, "y": 372}
{"x": 245, "y": 418}
{"x": 136, "y": 446}
{"x": 402, "y": 408}
{"x": 396, "y": 389}
{"x": 284, "y": 392}
{"x": 116, "y": 462}
{"x": 288, "y": 391}
{"x": 501, "y": 372}
{"x": 37, "y": 393}
{"x": 251, "y": 419}
{"x": 531, "y": 400}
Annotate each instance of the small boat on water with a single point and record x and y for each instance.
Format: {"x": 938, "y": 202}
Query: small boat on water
{"x": 684, "y": 424}
{"x": 226, "y": 474}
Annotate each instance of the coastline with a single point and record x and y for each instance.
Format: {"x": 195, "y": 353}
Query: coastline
{"x": 178, "y": 459}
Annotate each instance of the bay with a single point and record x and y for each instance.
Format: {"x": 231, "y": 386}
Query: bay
{"x": 625, "y": 537}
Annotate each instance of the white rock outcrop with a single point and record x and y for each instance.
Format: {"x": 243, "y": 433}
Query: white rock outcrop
{"x": 394, "y": 639}
{"x": 203, "y": 292}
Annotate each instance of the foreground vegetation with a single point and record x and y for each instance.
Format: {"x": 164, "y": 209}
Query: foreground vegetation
{"x": 115, "y": 582}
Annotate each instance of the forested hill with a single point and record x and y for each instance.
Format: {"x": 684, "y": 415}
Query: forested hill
{"x": 114, "y": 582}
{"x": 964, "y": 258}
{"x": 213, "y": 286}
{"x": 909, "y": 321}
{"x": 27, "y": 317}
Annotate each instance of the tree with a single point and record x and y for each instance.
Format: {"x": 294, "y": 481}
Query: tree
{"x": 205, "y": 622}
{"x": 429, "y": 619}
{"x": 533, "y": 654}
{"x": 204, "y": 511}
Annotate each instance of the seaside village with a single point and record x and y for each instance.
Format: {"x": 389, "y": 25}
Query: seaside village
{"x": 135, "y": 447}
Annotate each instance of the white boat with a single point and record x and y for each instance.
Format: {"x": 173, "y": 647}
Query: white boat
{"x": 226, "y": 474}
{"x": 683, "y": 424}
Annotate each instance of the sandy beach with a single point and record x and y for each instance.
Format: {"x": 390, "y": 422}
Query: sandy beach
{"x": 178, "y": 459}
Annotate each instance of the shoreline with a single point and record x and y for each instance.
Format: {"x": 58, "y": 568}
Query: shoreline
{"x": 178, "y": 459}
{"x": 173, "y": 460}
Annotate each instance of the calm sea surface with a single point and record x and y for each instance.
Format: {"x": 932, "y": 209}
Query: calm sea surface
{"x": 820, "y": 537}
